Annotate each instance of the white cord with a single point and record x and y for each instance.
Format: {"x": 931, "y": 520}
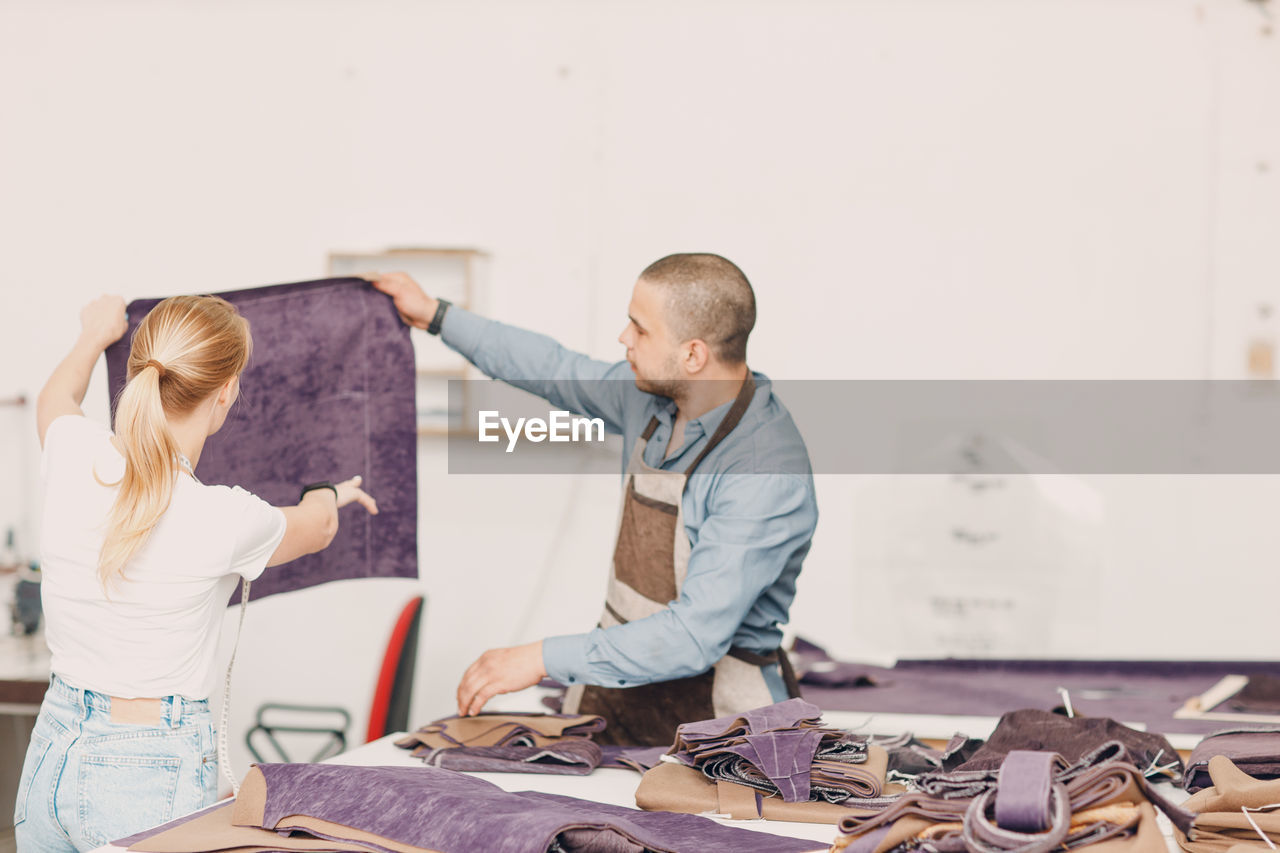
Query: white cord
{"x": 1252, "y": 823}
{"x": 224, "y": 760}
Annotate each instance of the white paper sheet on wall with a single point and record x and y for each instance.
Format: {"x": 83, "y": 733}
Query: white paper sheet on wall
{"x": 985, "y": 565}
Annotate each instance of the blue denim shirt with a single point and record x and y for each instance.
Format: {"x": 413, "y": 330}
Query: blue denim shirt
{"x": 750, "y": 510}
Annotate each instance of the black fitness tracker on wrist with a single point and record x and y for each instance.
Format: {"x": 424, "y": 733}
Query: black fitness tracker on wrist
{"x": 442, "y": 305}
{"x": 323, "y": 484}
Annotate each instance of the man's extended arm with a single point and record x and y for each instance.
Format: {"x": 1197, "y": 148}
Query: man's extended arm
{"x": 529, "y": 361}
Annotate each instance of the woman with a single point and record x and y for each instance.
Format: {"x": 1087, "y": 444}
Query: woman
{"x": 139, "y": 560}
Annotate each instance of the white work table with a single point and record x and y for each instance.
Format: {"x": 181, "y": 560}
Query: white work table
{"x": 604, "y": 785}
{"x": 618, "y": 787}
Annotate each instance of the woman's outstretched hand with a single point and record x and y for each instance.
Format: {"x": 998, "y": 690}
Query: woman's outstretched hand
{"x": 349, "y": 491}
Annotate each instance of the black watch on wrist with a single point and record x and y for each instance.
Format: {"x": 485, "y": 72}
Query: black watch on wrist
{"x": 323, "y": 484}
{"x": 442, "y": 305}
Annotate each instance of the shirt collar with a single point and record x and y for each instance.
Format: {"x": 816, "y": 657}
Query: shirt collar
{"x": 705, "y": 424}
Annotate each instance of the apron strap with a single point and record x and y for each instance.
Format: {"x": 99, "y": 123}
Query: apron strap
{"x": 731, "y": 418}
{"x": 778, "y": 656}
{"x": 650, "y": 429}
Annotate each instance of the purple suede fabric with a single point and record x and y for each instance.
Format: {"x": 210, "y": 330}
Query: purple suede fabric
{"x": 442, "y": 810}
{"x": 638, "y": 758}
{"x": 781, "y": 715}
{"x": 1147, "y": 692}
{"x": 1073, "y": 738}
{"x": 328, "y": 394}
{"x": 699, "y": 834}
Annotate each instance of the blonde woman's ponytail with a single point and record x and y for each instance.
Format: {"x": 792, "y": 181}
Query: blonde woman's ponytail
{"x": 151, "y": 466}
{"x": 183, "y": 351}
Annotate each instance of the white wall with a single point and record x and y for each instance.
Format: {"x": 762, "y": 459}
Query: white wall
{"x": 928, "y": 188}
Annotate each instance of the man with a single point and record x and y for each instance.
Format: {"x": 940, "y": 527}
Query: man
{"x": 718, "y": 503}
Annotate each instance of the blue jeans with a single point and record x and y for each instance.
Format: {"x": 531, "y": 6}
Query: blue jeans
{"x": 87, "y": 781}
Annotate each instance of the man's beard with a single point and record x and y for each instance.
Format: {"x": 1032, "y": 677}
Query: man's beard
{"x": 662, "y": 387}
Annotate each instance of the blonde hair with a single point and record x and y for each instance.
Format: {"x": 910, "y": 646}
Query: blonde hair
{"x": 184, "y": 350}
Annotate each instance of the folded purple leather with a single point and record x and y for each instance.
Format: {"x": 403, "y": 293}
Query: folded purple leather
{"x": 1073, "y": 738}
{"x": 792, "y": 713}
{"x": 780, "y": 749}
{"x": 442, "y": 810}
{"x": 329, "y": 393}
{"x": 1254, "y": 751}
{"x": 570, "y": 756}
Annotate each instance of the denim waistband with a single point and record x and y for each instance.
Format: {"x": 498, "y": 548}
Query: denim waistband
{"x": 173, "y": 708}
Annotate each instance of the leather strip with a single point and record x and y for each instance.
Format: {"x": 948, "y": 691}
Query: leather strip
{"x": 731, "y": 418}
{"x": 778, "y": 656}
{"x": 1022, "y": 793}
{"x": 615, "y": 614}
{"x": 982, "y": 836}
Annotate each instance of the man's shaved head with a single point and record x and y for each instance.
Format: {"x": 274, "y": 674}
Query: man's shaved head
{"x": 707, "y": 297}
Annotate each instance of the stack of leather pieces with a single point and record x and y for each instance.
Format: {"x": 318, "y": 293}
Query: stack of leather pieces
{"x": 1033, "y": 803}
{"x": 328, "y": 808}
{"x": 1235, "y": 813}
{"x": 1255, "y": 752}
{"x": 777, "y": 762}
{"x": 557, "y": 744}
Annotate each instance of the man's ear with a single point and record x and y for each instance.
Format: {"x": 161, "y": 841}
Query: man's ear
{"x": 696, "y": 356}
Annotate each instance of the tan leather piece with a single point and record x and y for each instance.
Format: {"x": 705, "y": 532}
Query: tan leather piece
{"x": 1220, "y": 824}
{"x": 737, "y": 801}
{"x": 677, "y": 788}
{"x": 357, "y": 836}
{"x": 250, "y": 804}
{"x": 137, "y": 712}
{"x": 490, "y": 729}
{"x": 1148, "y": 838}
{"x": 215, "y": 831}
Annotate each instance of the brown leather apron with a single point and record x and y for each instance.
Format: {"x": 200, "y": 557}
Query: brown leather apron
{"x": 650, "y": 562}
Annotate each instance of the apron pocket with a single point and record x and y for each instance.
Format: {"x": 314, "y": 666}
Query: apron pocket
{"x": 644, "y": 558}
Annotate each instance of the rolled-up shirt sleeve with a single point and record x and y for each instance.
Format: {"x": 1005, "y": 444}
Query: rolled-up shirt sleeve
{"x": 756, "y": 524}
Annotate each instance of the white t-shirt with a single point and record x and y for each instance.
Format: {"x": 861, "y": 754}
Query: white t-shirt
{"x": 153, "y": 632}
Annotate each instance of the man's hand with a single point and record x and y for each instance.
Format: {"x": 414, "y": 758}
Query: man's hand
{"x": 499, "y": 671}
{"x": 103, "y": 322}
{"x": 414, "y": 306}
